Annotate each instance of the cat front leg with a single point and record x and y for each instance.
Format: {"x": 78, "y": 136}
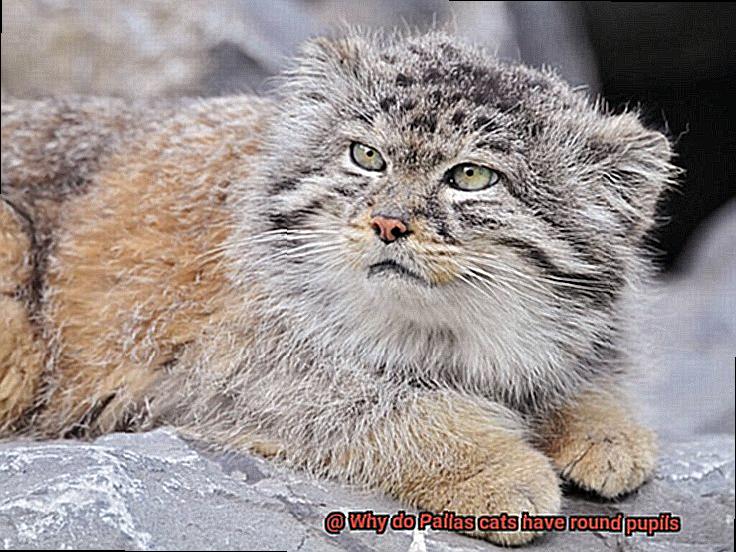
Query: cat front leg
{"x": 436, "y": 451}
{"x": 472, "y": 457}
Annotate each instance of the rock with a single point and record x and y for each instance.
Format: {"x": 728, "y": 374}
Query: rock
{"x": 690, "y": 334}
{"x": 157, "y": 491}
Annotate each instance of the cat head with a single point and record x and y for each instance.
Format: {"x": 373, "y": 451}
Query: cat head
{"x": 419, "y": 180}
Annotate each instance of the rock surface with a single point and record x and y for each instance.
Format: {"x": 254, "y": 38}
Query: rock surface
{"x": 691, "y": 334}
{"x": 156, "y": 491}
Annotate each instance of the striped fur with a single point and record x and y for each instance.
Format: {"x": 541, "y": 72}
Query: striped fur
{"x": 208, "y": 264}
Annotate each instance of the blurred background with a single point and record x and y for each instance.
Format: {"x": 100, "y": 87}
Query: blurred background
{"x": 675, "y": 60}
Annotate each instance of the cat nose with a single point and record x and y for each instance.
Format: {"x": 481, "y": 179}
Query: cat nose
{"x": 389, "y": 228}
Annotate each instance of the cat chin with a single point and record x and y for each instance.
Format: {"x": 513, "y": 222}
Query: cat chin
{"x": 399, "y": 304}
{"x": 396, "y": 290}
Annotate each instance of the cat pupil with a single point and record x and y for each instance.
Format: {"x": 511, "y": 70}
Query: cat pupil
{"x": 469, "y": 172}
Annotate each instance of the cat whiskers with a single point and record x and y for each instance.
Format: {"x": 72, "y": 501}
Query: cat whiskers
{"x": 270, "y": 236}
{"x": 535, "y": 279}
{"x": 299, "y": 252}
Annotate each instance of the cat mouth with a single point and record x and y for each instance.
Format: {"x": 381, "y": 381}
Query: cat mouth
{"x": 392, "y": 267}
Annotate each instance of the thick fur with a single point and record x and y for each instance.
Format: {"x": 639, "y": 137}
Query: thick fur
{"x": 206, "y": 264}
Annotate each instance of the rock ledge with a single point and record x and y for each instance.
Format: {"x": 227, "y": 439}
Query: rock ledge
{"x": 156, "y": 491}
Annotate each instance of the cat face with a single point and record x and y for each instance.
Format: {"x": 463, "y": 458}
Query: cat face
{"x": 420, "y": 180}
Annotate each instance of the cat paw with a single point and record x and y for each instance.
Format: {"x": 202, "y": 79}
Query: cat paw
{"x": 608, "y": 461}
{"x": 522, "y": 481}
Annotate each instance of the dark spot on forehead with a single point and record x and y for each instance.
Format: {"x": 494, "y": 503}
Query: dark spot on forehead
{"x": 535, "y": 129}
{"x": 387, "y": 102}
{"x": 484, "y": 86}
{"x": 403, "y": 80}
{"x": 409, "y": 104}
{"x": 458, "y": 117}
{"x": 426, "y": 122}
{"x": 413, "y": 157}
{"x": 493, "y": 96}
{"x": 436, "y": 97}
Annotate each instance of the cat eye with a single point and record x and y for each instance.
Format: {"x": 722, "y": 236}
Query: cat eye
{"x": 366, "y": 157}
{"x": 470, "y": 177}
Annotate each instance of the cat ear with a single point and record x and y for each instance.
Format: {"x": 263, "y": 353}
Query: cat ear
{"x": 634, "y": 165}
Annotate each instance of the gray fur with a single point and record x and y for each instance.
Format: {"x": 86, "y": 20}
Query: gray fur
{"x": 529, "y": 325}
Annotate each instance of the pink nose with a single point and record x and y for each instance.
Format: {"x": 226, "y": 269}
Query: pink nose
{"x": 388, "y": 229}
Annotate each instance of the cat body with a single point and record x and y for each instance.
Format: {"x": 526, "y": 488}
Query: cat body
{"x": 310, "y": 277}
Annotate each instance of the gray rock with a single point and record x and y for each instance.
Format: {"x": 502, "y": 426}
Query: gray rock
{"x": 156, "y": 491}
{"x": 689, "y": 354}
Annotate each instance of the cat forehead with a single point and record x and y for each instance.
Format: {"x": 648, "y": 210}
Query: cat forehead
{"x": 433, "y": 94}
{"x": 440, "y": 72}
{"x": 433, "y": 83}
{"x": 445, "y": 92}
